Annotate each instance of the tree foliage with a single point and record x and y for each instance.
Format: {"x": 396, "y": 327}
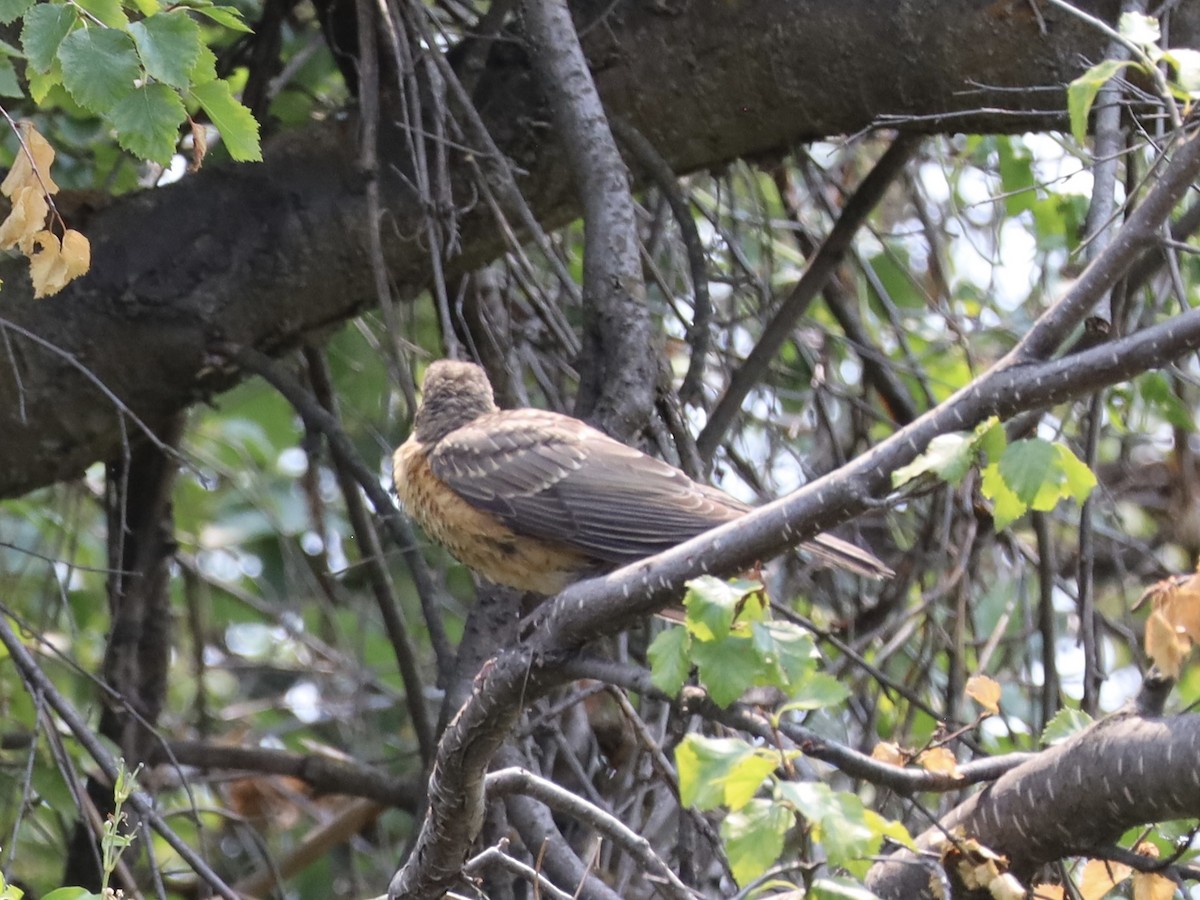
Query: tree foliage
{"x": 233, "y": 666}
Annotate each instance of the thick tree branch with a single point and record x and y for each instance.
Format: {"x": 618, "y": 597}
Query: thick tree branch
{"x": 1123, "y": 771}
{"x": 618, "y": 364}
{"x": 605, "y": 605}
{"x": 261, "y": 256}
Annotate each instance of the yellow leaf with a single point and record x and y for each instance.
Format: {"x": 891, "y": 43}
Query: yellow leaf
{"x": 940, "y": 761}
{"x": 1151, "y": 885}
{"x": 31, "y": 168}
{"x": 887, "y": 752}
{"x": 1164, "y": 645}
{"x": 1099, "y": 877}
{"x": 76, "y": 253}
{"x": 1006, "y": 887}
{"x": 46, "y": 265}
{"x": 1180, "y": 604}
{"x": 1048, "y": 892}
{"x": 27, "y": 218}
{"x": 984, "y": 691}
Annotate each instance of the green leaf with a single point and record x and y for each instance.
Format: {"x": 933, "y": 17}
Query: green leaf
{"x": 754, "y": 838}
{"x": 669, "y": 661}
{"x": 9, "y": 86}
{"x": 42, "y": 83}
{"x": 43, "y": 31}
{"x": 817, "y": 691}
{"x": 786, "y": 653}
{"x": 839, "y": 889}
{"x": 1157, "y": 391}
{"x": 711, "y": 605}
{"x": 169, "y": 45}
{"x": 205, "y": 68}
{"x": 837, "y": 818}
{"x": 727, "y": 667}
{"x": 107, "y": 11}
{"x": 11, "y": 10}
{"x": 948, "y": 456}
{"x": 1027, "y": 465}
{"x": 100, "y": 67}
{"x": 1017, "y": 180}
{"x": 147, "y": 122}
{"x": 703, "y": 764}
{"x": 1078, "y": 479}
{"x": 228, "y": 16}
{"x": 890, "y": 829}
{"x": 1066, "y": 723}
{"x": 1007, "y": 507}
{"x": 1081, "y": 94}
{"x": 745, "y": 779}
{"x": 991, "y": 438}
{"x": 238, "y": 128}
{"x": 69, "y": 893}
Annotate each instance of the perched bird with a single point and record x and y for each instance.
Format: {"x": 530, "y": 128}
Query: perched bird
{"x": 536, "y": 500}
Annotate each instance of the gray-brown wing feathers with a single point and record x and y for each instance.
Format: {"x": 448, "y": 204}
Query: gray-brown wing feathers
{"x": 553, "y": 477}
{"x": 550, "y": 476}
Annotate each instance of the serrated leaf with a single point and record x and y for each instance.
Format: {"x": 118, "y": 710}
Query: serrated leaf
{"x": 11, "y": 10}
{"x": 1078, "y": 479}
{"x": 837, "y": 818}
{"x": 784, "y": 650}
{"x": 43, "y": 31}
{"x": 990, "y": 439}
{"x": 1027, "y": 465}
{"x": 1081, "y": 94}
{"x": 9, "y": 85}
{"x": 817, "y": 691}
{"x": 746, "y": 778}
{"x": 107, "y": 11}
{"x": 1006, "y": 505}
{"x": 703, "y": 764}
{"x": 948, "y": 456}
{"x": 1066, "y": 723}
{"x": 754, "y": 838}
{"x": 238, "y": 129}
{"x": 169, "y": 45}
{"x": 147, "y": 122}
{"x": 228, "y": 16}
{"x": 204, "y": 69}
{"x": 727, "y": 668}
{"x": 100, "y": 66}
{"x": 711, "y": 605}
{"x": 669, "y": 660}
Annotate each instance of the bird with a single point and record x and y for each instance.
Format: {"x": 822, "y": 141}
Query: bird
{"x": 536, "y": 500}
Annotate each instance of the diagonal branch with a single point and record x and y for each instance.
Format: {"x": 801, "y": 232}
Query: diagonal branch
{"x": 605, "y": 605}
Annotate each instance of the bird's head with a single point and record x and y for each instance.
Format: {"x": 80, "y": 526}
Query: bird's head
{"x": 454, "y": 394}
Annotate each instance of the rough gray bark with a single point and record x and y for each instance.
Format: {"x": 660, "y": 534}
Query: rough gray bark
{"x": 1122, "y": 772}
{"x": 270, "y": 255}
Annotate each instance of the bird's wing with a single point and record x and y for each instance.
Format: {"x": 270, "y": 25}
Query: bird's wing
{"x": 550, "y": 476}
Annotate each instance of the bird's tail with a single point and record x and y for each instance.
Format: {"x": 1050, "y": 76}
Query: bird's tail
{"x": 844, "y": 555}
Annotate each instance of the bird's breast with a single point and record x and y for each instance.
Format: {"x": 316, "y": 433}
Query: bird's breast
{"x": 474, "y": 537}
